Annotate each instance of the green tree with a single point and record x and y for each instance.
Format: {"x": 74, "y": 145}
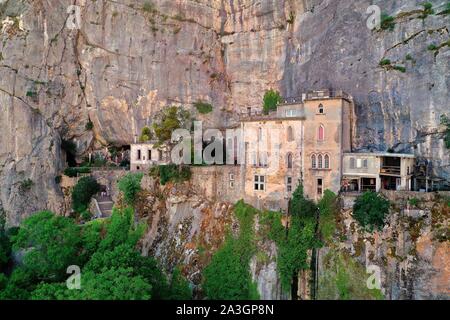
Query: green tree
{"x": 82, "y": 193}
{"x": 228, "y": 277}
{"x": 51, "y": 243}
{"x": 167, "y": 121}
{"x": 370, "y": 210}
{"x": 146, "y": 134}
{"x": 110, "y": 284}
{"x": 294, "y": 242}
{"x": 130, "y": 185}
{"x": 329, "y": 208}
{"x": 271, "y": 100}
{"x": 179, "y": 287}
{"x": 203, "y": 107}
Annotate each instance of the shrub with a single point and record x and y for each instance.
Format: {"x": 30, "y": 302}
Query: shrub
{"x": 73, "y": 172}
{"x": 427, "y": 9}
{"x": 387, "y": 22}
{"x": 171, "y": 173}
{"x": 385, "y": 62}
{"x": 203, "y": 107}
{"x": 26, "y": 185}
{"x": 228, "y": 276}
{"x": 414, "y": 202}
{"x": 271, "y": 100}
{"x": 408, "y": 57}
{"x": 400, "y": 68}
{"x": 149, "y": 7}
{"x": 83, "y": 192}
{"x": 328, "y": 207}
{"x": 432, "y": 47}
{"x": 370, "y": 210}
{"x": 130, "y": 185}
{"x": 167, "y": 121}
{"x": 146, "y": 134}
{"x": 89, "y": 125}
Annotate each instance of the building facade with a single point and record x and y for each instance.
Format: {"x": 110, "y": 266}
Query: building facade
{"x": 145, "y": 155}
{"x": 377, "y": 171}
{"x": 307, "y": 140}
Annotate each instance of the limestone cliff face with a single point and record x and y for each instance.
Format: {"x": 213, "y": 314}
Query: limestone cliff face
{"x": 411, "y": 252}
{"x": 131, "y": 58}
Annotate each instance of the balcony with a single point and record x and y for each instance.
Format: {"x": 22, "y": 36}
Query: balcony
{"x": 389, "y": 170}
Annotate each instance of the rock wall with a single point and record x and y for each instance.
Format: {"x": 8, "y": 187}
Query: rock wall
{"x": 411, "y": 252}
{"x": 131, "y": 58}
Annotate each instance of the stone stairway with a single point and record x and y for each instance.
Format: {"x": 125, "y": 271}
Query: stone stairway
{"x": 105, "y": 204}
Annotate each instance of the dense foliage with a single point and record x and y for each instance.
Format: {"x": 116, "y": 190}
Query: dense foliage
{"x": 146, "y": 134}
{"x": 171, "y": 173}
{"x": 370, "y": 210}
{"x": 203, "y": 107}
{"x": 168, "y": 120}
{"x": 228, "y": 275}
{"x": 111, "y": 267}
{"x": 130, "y": 185}
{"x": 295, "y": 242}
{"x": 73, "y": 171}
{"x": 271, "y": 100}
{"x": 82, "y": 193}
{"x": 328, "y": 208}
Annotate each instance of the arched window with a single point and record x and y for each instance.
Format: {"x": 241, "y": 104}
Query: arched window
{"x": 290, "y": 134}
{"x": 320, "y": 161}
{"x": 289, "y": 161}
{"x": 321, "y": 109}
{"x": 321, "y": 133}
{"x": 327, "y": 161}
{"x": 313, "y": 161}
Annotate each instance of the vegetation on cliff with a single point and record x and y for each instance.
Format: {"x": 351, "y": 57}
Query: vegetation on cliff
{"x": 228, "y": 275}
{"x": 104, "y": 250}
{"x": 370, "y": 210}
{"x": 171, "y": 173}
{"x": 82, "y": 193}
{"x": 271, "y": 100}
{"x": 295, "y": 242}
{"x": 130, "y": 185}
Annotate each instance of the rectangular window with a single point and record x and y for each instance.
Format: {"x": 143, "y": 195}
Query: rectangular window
{"x": 365, "y": 164}
{"x": 150, "y": 155}
{"x": 359, "y": 163}
{"x": 319, "y": 187}
{"x": 231, "y": 177}
{"x": 289, "y": 184}
{"x": 260, "y": 183}
{"x": 231, "y": 184}
{"x": 139, "y": 154}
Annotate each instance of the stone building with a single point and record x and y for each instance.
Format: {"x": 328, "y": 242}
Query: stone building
{"x": 306, "y": 140}
{"x": 376, "y": 171}
{"x": 145, "y": 155}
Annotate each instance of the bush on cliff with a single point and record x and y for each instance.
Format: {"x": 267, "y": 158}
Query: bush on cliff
{"x": 228, "y": 276}
{"x": 370, "y": 210}
{"x": 105, "y": 250}
{"x": 130, "y": 185}
{"x": 82, "y": 193}
{"x": 171, "y": 173}
{"x": 271, "y": 100}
